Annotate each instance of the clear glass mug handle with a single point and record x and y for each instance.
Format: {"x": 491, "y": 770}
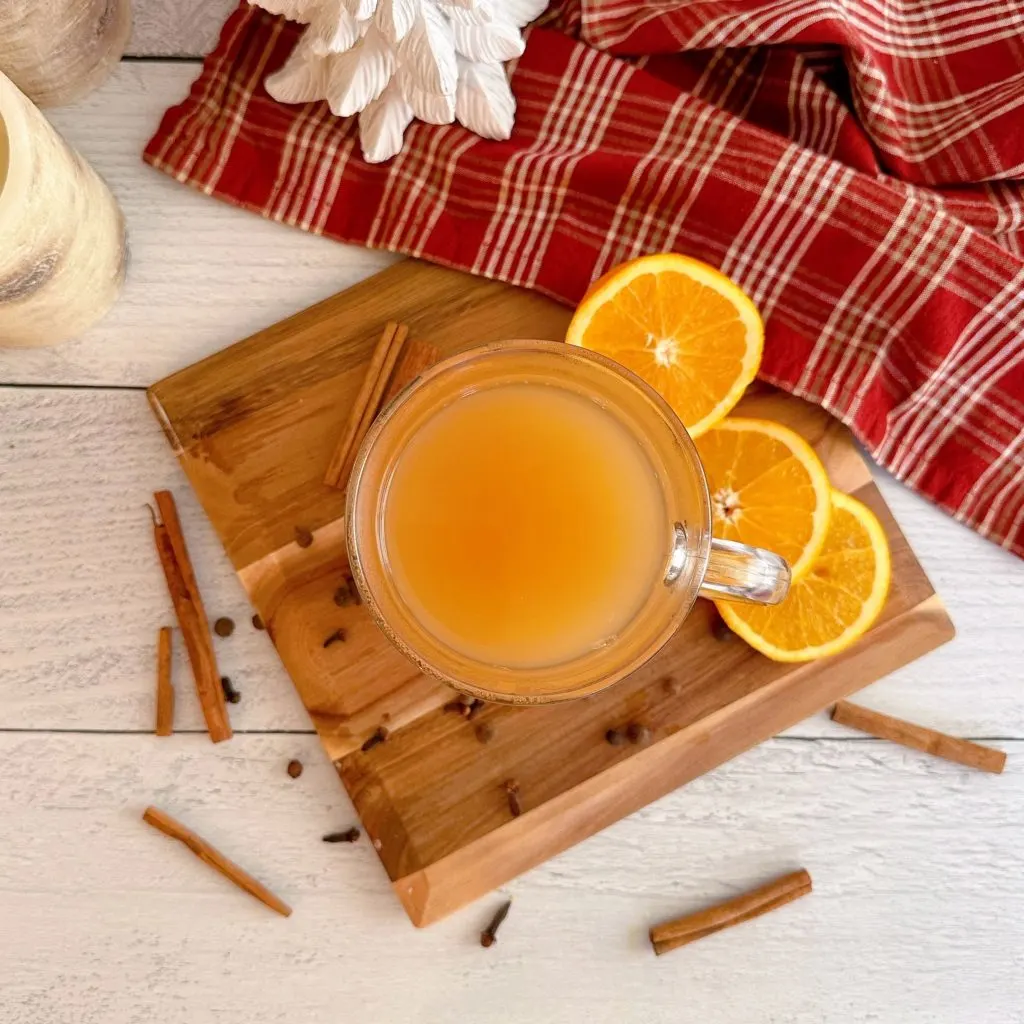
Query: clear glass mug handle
{"x": 739, "y": 572}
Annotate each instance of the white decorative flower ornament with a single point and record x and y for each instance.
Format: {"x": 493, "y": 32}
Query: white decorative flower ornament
{"x": 392, "y": 60}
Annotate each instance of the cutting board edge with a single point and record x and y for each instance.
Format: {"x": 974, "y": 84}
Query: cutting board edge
{"x": 441, "y": 888}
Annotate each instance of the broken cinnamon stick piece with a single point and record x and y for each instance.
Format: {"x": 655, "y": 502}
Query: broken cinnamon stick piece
{"x": 684, "y": 930}
{"x": 164, "y": 686}
{"x": 382, "y": 364}
{"x": 206, "y": 853}
{"x": 188, "y": 606}
{"x": 917, "y": 737}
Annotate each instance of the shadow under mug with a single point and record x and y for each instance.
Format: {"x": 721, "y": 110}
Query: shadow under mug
{"x": 695, "y": 564}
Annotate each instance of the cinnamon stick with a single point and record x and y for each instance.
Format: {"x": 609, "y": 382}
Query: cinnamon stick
{"x": 917, "y": 737}
{"x": 206, "y": 853}
{"x": 416, "y": 357}
{"x": 367, "y": 402}
{"x": 188, "y": 606}
{"x": 684, "y": 930}
{"x": 164, "y": 686}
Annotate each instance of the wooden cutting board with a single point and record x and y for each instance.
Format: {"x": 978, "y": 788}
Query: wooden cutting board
{"x": 254, "y": 427}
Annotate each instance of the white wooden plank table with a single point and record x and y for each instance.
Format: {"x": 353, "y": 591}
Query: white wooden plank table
{"x": 918, "y": 909}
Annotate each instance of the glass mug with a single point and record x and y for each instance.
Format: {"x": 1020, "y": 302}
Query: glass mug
{"x": 694, "y": 564}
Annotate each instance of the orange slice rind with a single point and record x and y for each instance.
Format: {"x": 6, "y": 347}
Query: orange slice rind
{"x": 768, "y": 488}
{"x": 680, "y": 325}
{"x": 835, "y": 603}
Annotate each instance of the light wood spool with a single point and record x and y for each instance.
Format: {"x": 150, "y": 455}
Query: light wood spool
{"x": 254, "y": 427}
{"x": 56, "y": 51}
{"x": 62, "y": 236}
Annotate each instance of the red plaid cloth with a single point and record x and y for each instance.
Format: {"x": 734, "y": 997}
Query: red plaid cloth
{"x": 888, "y": 303}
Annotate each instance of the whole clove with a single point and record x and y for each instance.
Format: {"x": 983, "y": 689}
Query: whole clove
{"x": 303, "y": 537}
{"x": 350, "y": 835}
{"x": 638, "y": 733}
{"x": 294, "y": 768}
{"x": 337, "y": 637}
{"x": 490, "y": 934}
{"x": 257, "y": 623}
{"x": 347, "y": 594}
{"x": 231, "y": 695}
{"x": 484, "y": 732}
{"x": 512, "y": 791}
{"x": 616, "y": 737}
{"x": 224, "y": 626}
{"x": 378, "y": 737}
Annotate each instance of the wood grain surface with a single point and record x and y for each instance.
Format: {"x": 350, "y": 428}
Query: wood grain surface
{"x": 917, "y": 864}
{"x": 254, "y": 427}
{"x": 916, "y": 914}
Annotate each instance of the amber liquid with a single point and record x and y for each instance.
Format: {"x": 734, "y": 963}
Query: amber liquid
{"x": 524, "y": 525}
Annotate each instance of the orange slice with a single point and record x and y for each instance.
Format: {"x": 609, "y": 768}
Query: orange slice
{"x": 680, "y": 325}
{"x": 768, "y": 488}
{"x": 835, "y": 604}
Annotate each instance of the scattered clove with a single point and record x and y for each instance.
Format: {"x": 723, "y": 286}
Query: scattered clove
{"x": 475, "y": 706}
{"x": 337, "y": 637}
{"x": 294, "y": 768}
{"x": 490, "y": 934}
{"x": 257, "y": 623}
{"x": 378, "y": 737}
{"x": 231, "y": 695}
{"x": 350, "y": 835}
{"x": 484, "y": 732}
{"x": 347, "y": 594}
{"x": 638, "y": 733}
{"x": 616, "y": 737}
{"x": 459, "y": 707}
{"x": 512, "y": 791}
{"x": 303, "y": 537}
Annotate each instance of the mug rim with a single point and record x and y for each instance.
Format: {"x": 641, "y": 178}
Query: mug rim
{"x": 560, "y": 350}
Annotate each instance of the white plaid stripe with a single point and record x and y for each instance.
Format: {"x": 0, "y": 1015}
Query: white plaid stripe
{"x": 907, "y": 290}
{"x": 238, "y": 114}
{"x": 1006, "y": 469}
{"x": 507, "y": 208}
{"x": 592, "y": 115}
{"x": 850, "y": 300}
{"x": 534, "y": 238}
{"x": 917, "y": 434}
{"x": 460, "y": 145}
{"x": 991, "y": 363}
{"x": 1018, "y": 520}
{"x": 339, "y": 161}
{"x": 318, "y": 168}
{"x": 333, "y": 156}
{"x": 299, "y": 155}
{"x": 764, "y": 264}
{"x": 201, "y": 110}
{"x": 677, "y": 170}
{"x": 933, "y": 281}
{"x": 921, "y": 117}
